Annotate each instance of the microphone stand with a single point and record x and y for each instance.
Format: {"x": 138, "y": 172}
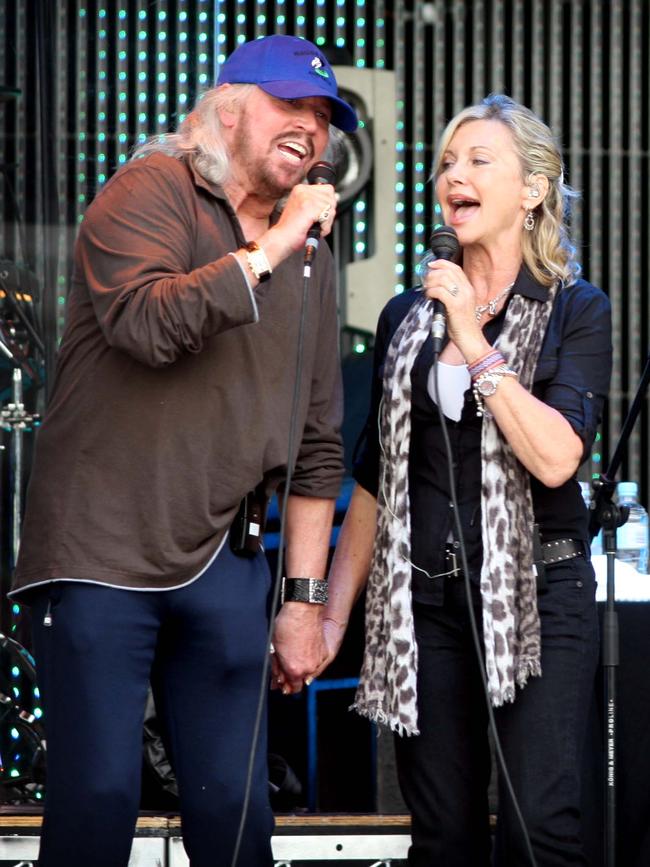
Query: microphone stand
{"x": 15, "y": 418}
{"x": 606, "y": 514}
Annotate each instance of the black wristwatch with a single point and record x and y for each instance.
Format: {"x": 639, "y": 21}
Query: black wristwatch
{"x": 312, "y": 590}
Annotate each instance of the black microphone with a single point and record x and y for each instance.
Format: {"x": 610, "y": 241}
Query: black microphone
{"x": 320, "y": 173}
{"x": 444, "y": 245}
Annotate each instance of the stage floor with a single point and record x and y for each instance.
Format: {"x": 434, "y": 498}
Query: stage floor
{"x": 310, "y": 838}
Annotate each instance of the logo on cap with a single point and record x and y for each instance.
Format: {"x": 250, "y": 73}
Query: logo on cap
{"x": 317, "y": 66}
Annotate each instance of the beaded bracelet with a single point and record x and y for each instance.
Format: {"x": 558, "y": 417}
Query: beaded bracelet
{"x": 492, "y": 359}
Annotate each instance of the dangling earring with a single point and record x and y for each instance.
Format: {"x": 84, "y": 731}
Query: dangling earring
{"x": 529, "y": 222}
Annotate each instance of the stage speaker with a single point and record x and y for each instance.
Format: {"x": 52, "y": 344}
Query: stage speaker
{"x": 367, "y": 278}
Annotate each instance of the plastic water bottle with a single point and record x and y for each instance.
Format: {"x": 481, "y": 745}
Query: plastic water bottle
{"x": 632, "y": 538}
{"x": 597, "y": 541}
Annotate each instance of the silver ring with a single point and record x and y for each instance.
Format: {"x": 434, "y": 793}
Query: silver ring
{"x": 324, "y": 214}
{"x": 271, "y": 648}
{"x": 453, "y": 289}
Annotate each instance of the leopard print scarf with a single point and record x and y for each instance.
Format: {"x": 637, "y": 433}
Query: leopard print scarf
{"x": 387, "y": 690}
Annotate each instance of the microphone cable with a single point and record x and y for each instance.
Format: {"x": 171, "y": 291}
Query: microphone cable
{"x": 291, "y": 447}
{"x": 503, "y": 768}
{"x": 444, "y": 244}
{"x": 264, "y": 686}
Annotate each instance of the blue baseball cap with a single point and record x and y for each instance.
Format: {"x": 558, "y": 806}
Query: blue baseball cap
{"x": 290, "y": 68}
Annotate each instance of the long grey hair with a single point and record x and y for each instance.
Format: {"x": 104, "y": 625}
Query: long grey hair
{"x": 200, "y": 133}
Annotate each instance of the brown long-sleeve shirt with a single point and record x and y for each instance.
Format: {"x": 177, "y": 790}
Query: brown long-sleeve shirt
{"x": 171, "y": 401}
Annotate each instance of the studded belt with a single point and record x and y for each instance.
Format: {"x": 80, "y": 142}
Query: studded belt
{"x": 560, "y": 550}
{"x": 557, "y": 551}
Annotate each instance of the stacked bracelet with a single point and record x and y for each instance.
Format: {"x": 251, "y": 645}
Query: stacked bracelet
{"x": 492, "y": 359}
{"x": 487, "y": 383}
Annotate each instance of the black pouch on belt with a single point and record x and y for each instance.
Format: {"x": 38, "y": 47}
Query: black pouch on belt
{"x": 246, "y": 531}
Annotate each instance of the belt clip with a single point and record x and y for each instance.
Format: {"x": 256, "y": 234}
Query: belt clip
{"x": 539, "y": 566}
{"x": 453, "y": 559}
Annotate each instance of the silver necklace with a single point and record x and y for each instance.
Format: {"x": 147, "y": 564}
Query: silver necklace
{"x": 491, "y": 306}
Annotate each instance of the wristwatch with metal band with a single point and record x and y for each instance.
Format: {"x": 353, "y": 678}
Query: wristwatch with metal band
{"x": 257, "y": 261}
{"x": 312, "y": 590}
{"x": 486, "y": 383}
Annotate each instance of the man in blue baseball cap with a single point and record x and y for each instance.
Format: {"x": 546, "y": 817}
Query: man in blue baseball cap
{"x": 290, "y": 68}
{"x": 167, "y": 429}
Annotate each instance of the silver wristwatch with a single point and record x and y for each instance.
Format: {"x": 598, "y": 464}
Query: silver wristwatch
{"x": 486, "y": 384}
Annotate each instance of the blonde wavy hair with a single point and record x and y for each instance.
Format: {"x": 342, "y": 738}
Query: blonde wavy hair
{"x": 547, "y": 249}
{"x": 199, "y": 134}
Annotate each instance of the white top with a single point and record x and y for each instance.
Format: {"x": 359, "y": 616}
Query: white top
{"x": 453, "y": 382}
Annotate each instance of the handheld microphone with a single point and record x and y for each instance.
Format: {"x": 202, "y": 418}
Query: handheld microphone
{"x": 320, "y": 173}
{"x": 444, "y": 245}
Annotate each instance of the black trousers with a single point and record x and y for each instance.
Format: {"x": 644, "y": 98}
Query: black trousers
{"x": 202, "y": 647}
{"x": 445, "y": 771}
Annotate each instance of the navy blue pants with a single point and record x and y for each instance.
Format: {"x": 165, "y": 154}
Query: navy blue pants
{"x": 444, "y": 772}
{"x": 202, "y": 647}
